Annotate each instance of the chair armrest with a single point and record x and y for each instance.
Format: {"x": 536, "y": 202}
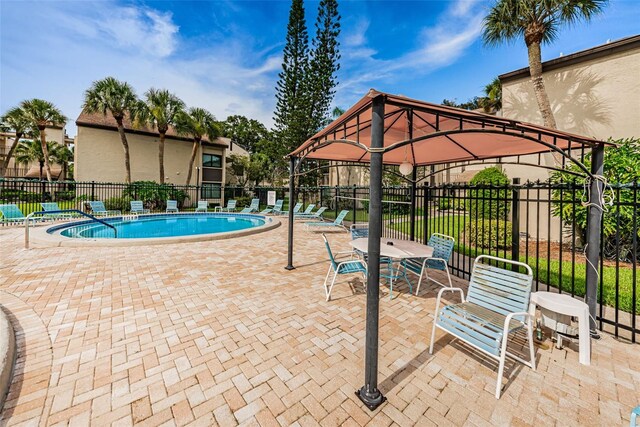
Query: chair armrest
{"x": 354, "y": 261}
{"x": 510, "y": 316}
{"x": 441, "y": 291}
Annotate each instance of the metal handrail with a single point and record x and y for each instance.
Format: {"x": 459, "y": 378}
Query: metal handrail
{"x": 29, "y": 217}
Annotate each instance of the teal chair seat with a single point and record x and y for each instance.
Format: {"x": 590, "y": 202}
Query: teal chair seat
{"x": 350, "y": 266}
{"x": 442, "y": 250}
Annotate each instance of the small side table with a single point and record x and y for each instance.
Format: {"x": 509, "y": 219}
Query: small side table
{"x": 565, "y": 304}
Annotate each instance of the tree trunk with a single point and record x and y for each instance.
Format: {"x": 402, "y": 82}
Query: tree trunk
{"x": 45, "y": 153}
{"x": 192, "y": 160}
{"x": 125, "y": 145}
{"x": 535, "y": 70}
{"x": 5, "y": 163}
{"x": 161, "y": 156}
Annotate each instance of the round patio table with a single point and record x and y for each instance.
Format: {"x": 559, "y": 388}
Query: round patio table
{"x": 395, "y": 249}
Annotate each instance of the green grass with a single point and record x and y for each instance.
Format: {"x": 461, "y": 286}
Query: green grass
{"x": 29, "y": 207}
{"x": 546, "y": 271}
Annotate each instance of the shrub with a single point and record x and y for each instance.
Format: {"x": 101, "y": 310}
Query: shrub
{"x": 243, "y": 201}
{"x": 621, "y": 166}
{"x": 62, "y": 196}
{"x": 444, "y": 204}
{"x": 490, "y": 234}
{"x": 490, "y": 198}
{"x": 389, "y": 208}
{"x": 154, "y": 195}
{"x": 118, "y": 203}
{"x": 13, "y": 196}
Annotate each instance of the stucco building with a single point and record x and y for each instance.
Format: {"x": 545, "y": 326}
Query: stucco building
{"x": 99, "y": 156}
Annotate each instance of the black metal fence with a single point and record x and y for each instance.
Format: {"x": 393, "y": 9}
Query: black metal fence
{"x": 541, "y": 224}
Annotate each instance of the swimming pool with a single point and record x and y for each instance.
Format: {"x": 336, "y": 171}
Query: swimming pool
{"x": 163, "y": 227}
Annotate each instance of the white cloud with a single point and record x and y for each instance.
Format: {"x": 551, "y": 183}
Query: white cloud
{"x": 86, "y": 42}
{"x": 438, "y": 46}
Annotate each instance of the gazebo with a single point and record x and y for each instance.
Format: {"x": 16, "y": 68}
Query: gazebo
{"x": 395, "y": 130}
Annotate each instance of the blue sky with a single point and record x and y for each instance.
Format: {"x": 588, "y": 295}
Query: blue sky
{"x": 225, "y": 55}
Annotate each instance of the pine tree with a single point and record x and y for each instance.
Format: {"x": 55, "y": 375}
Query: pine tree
{"x": 323, "y": 63}
{"x": 291, "y": 125}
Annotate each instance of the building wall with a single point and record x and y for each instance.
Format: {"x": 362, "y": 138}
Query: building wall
{"x": 99, "y": 157}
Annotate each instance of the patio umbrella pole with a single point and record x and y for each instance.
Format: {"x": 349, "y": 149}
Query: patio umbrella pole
{"x": 369, "y": 393}
{"x": 292, "y": 188}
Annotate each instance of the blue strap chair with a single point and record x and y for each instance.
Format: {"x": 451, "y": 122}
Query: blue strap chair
{"x": 137, "y": 207}
{"x": 497, "y": 305}
{"x": 98, "y": 208}
{"x": 203, "y": 206}
{"x": 337, "y": 223}
{"x": 313, "y": 215}
{"x": 172, "y": 206}
{"x": 276, "y": 208}
{"x": 351, "y": 266}
{"x": 253, "y": 207}
{"x": 442, "y": 250}
{"x": 635, "y": 415}
{"x": 53, "y": 206}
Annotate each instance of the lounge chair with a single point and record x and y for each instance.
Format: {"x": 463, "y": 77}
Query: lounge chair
{"x": 98, "y": 209}
{"x": 53, "y": 206}
{"x": 497, "y": 304}
{"x": 351, "y": 266}
{"x": 337, "y": 223}
{"x": 11, "y": 213}
{"x": 137, "y": 207}
{"x": 442, "y": 249}
{"x": 635, "y": 415}
{"x": 296, "y": 209}
{"x": 172, "y": 206}
{"x": 313, "y": 215}
{"x": 253, "y": 207}
{"x": 231, "y": 206}
{"x": 203, "y": 206}
{"x": 308, "y": 210}
{"x": 276, "y": 207}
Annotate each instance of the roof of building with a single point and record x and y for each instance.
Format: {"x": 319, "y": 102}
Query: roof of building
{"x": 627, "y": 43}
{"x": 107, "y": 122}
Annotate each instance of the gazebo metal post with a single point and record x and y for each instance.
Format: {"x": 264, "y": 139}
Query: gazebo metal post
{"x": 594, "y": 224}
{"x": 412, "y": 211}
{"x": 369, "y": 393}
{"x": 292, "y": 189}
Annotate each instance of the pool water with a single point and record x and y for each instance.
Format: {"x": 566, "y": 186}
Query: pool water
{"x": 162, "y": 226}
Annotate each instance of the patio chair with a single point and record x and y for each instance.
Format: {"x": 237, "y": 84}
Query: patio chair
{"x": 337, "y": 223}
{"x": 53, "y": 206}
{"x": 313, "y": 215}
{"x": 351, "y": 266}
{"x": 253, "y": 207}
{"x": 203, "y": 206}
{"x": 635, "y": 415}
{"x": 11, "y": 213}
{"x": 172, "y": 206}
{"x": 296, "y": 209}
{"x": 98, "y": 209}
{"x": 231, "y": 206}
{"x": 307, "y": 211}
{"x": 497, "y": 305}
{"x": 277, "y": 206}
{"x": 137, "y": 207}
{"x": 442, "y": 249}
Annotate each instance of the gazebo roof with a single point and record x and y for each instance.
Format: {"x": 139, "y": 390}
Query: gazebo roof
{"x": 425, "y": 134}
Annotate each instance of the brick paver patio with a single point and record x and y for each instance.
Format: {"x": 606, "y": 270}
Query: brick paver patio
{"x": 219, "y": 333}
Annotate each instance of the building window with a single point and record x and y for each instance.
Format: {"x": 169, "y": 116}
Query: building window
{"x": 211, "y": 191}
{"x": 211, "y": 161}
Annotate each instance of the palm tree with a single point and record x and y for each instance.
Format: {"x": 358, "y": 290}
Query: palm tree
{"x": 538, "y": 21}
{"x": 62, "y": 155}
{"x": 159, "y": 111}
{"x": 31, "y": 151}
{"x": 16, "y": 120}
{"x": 197, "y": 123}
{"x": 41, "y": 114}
{"x": 492, "y": 101}
{"x": 119, "y": 99}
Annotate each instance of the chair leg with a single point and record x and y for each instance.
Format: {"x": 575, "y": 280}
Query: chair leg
{"x": 530, "y": 338}
{"x": 446, "y": 268}
{"x": 503, "y": 356}
{"x": 335, "y": 275}
{"x": 422, "y": 272}
{"x": 325, "y": 282}
{"x": 433, "y": 332}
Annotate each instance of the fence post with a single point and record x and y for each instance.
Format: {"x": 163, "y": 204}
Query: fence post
{"x": 93, "y": 190}
{"x": 412, "y": 209}
{"x": 515, "y": 223}
{"x": 335, "y": 197}
{"x": 355, "y": 205}
{"x": 43, "y": 188}
{"x": 425, "y": 211}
